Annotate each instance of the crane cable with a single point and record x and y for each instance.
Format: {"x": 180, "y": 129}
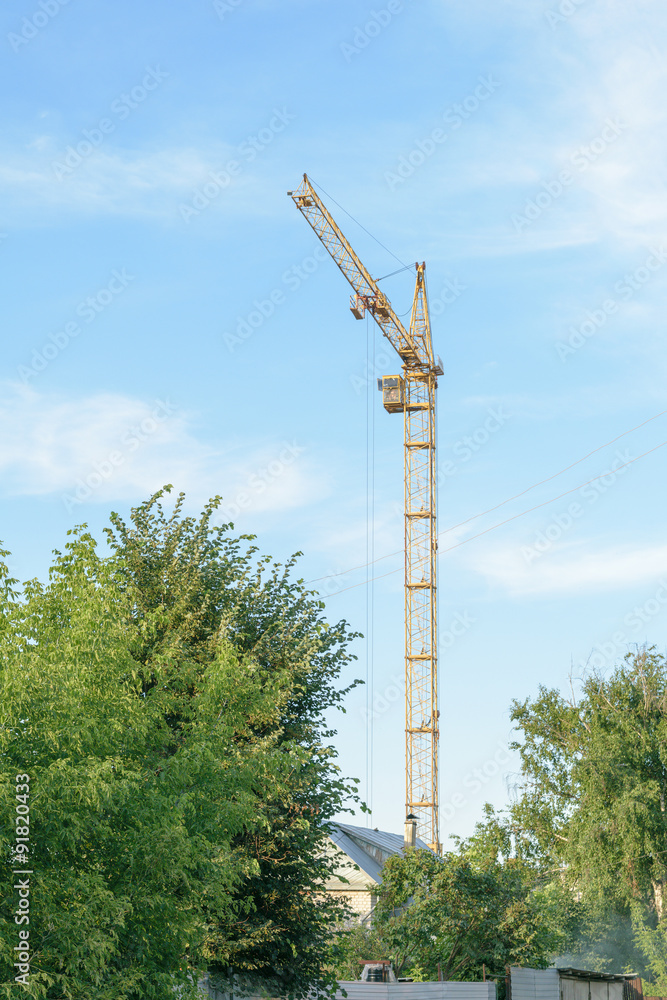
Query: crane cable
{"x": 407, "y": 267}
{"x": 313, "y": 181}
{"x": 370, "y": 555}
{"x": 490, "y": 510}
{"x": 507, "y": 520}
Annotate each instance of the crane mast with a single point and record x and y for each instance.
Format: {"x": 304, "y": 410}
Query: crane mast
{"x": 413, "y": 395}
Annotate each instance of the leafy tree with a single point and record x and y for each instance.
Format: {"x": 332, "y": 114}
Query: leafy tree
{"x": 592, "y": 806}
{"x": 456, "y": 914}
{"x": 352, "y": 944}
{"x": 451, "y": 912}
{"x": 128, "y": 834}
{"x": 192, "y": 581}
{"x": 167, "y": 703}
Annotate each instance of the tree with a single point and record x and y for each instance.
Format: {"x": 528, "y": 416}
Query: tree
{"x": 192, "y": 581}
{"x": 153, "y": 697}
{"x": 456, "y": 914}
{"x": 592, "y": 806}
{"x": 352, "y": 944}
{"x": 127, "y": 833}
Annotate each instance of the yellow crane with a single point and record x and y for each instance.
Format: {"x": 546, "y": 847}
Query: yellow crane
{"x": 413, "y": 395}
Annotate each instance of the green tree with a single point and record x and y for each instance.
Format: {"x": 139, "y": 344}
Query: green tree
{"x": 153, "y": 697}
{"x": 592, "y": 806}
{"x": 353, "y": 944}
{"x": 192, "y": 581}
{"x": 128, "y": 834}
{"x": 456, "y": 914}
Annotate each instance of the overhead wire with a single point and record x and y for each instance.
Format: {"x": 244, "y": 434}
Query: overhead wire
{"x": 556, "y": 474}
{"x": 497, "y": 506}
{"x": 507, "y": 520}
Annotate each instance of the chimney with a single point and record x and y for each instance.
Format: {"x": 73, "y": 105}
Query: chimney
{"x": 410, "y": 834}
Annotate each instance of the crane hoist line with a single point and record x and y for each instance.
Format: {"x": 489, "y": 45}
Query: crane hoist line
{"x": 413, "y": 393}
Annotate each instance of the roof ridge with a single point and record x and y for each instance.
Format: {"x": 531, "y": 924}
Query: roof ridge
{"x": 394, "y": 841}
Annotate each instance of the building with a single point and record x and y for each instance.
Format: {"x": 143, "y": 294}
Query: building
{"x": 359, "y": 855}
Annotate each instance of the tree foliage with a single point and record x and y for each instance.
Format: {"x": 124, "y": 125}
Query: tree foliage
{"x": 592, "y": 806}
{"x": 192, "y": 582}
{"x": 475, "y": 909}
{"x": 167, "y": 702}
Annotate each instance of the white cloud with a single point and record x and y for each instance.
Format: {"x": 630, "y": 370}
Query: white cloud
{"x": 621, "y": 76}
{"x": 580, "y": 404}
{"x": 568, "y": 569}
{"x": 110, "y": 180}
{"x": 109, "y": 446}
{"x": 603, "y": 60}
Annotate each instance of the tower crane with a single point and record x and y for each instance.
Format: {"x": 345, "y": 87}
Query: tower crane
{"x": 413, "y": 394}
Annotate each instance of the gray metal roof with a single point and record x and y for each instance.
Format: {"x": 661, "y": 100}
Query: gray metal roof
{"x": 367, "y": 849}
{"x": 368, "y": 865}
{"x": 585, "y": 974}
{"x": 392, "y": 843}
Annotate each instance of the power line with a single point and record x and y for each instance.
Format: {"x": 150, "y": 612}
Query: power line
{"x": 507, "y": 520}
{"x": 556, "y": 474}
{"x": 490, "y": 510}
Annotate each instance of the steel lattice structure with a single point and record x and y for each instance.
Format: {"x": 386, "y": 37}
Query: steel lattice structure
{"x": 413, "y": 395}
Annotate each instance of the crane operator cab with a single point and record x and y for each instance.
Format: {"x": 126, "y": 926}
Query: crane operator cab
{"x": 392, "y": 388}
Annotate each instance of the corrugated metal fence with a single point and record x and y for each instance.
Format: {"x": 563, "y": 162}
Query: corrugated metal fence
{"x": 418, "y": 991}
{"x": 535, "y": 984}
{"x": 392, "y": 991}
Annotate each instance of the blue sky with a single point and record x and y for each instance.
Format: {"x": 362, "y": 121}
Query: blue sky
{"x": 168, "y": 318}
